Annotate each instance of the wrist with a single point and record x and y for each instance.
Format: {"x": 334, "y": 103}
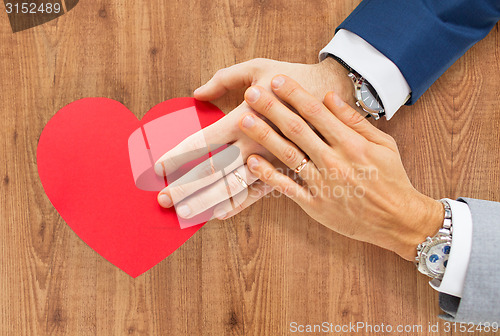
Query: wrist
{"x": 338, "y": 80}
{"x": 425, "y": 217}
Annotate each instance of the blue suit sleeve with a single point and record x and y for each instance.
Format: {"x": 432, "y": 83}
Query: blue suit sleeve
{"x": 423, "y": 37}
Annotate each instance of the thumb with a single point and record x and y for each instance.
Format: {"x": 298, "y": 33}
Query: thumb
{"x": 235, "y": 77}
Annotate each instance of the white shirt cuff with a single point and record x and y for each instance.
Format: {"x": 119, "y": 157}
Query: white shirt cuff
{"x": 378, "y": 70}
{"x": 458, "y": 261}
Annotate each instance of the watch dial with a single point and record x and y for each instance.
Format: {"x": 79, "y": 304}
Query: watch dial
{"x": 437, "y": 258}
{"x": 370, "y": 97}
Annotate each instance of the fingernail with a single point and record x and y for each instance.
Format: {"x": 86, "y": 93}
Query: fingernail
{"x": 253, "y": 163}
{"x": 183, "y": 211}
{"x": 159, "y": 169}
{"x": 337, "y": 100}
{"x": 252, "y": 94}
{"x": 165, "y": 201}
{"x": 248, "y": 122}
{"x": 277, "y": 82}
{"x": 220, "y": 214}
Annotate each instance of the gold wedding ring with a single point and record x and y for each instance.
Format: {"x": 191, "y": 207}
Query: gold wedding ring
{"x": 240, "y": 179}
{"x": 302, "y": 165}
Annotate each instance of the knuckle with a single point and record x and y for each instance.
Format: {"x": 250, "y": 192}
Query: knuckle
{"x": 294, "y": 127}
{"x": 233, "y": 184}
{"x": 178, "y": 193}
{"x": 313, "y": 108}
{"x": 290, "y": 155}
{"x": 288, "y": 191}
{"x": 390, "y": 138}
{"x": 345, "y": 142}
{"x": 290, "y": 93}
{"x": 328, "y": 159}
{"x": 264, "y": 135}
{"x": 256, "y": 64}
{"x": 354, "y": 118}
{"x": 392, "y": 142}
{"x": 170, "y": 161}
{"x": 268, "y": 106}
{"x": 207, "y": 169}
{"x": 358, "y": 149}
{"x": 219, "y": 74}
{"x": 199, "y": 203}
{"x": 266, "y": 174}
{"x": 259, "y": 61}
{"x": 195, "y": 142}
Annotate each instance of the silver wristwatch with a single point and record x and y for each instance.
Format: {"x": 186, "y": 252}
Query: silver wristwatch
{"x": 433, "y": 253}
{"x": 366, "y": 96}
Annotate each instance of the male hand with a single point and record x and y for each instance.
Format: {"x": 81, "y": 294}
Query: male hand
{"x": 212, "y": 185}
{"x": 354, "y": 180}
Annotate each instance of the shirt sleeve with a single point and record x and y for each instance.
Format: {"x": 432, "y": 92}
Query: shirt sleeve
{"x": 458, "y": 261}
{"x": 377, "y": 69}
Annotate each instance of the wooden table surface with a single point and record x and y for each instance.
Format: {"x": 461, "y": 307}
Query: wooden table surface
{"x": 267, "y": 267}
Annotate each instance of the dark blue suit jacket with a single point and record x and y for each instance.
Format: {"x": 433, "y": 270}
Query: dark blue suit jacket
{"x": 423, "y": 37}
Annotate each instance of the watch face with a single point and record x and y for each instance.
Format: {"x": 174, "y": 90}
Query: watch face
{"x": 370, "y": 97}
{"x": 437, "y": 258}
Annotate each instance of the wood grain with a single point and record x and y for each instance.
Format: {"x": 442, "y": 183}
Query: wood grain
{"x": 250, "y": 275}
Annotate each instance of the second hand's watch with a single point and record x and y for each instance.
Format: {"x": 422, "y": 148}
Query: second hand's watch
{"x": 366, "y": 96}
{"x": 433, "y": 253}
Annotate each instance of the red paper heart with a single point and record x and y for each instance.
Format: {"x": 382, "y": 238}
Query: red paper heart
{"x": 83, "y": 163}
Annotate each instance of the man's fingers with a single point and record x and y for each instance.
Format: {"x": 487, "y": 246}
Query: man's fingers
{"x": 289, "y": 123}
{"x": 195, "y": 146}
{"x": 286, "y": 151}
{"x": 268, "y": 174}
{"x": 227, "y": 79}
{"x": 356, "y": 121}
{"x": 203, "y": 175}
{"x": 312, "y": 110}
{"x": 232, "y": 184}
{"x": 241, "y": 201}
